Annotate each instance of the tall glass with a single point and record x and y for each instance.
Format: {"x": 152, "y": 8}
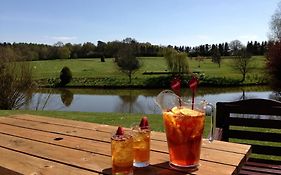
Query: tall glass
{"x": 184, "y": 125}
{"x": 141, "y": 146}
{"x": 122, "y": 154}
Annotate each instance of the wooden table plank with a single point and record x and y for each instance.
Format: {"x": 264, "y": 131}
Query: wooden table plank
{"x": 26, "y": 164}
{"x": 157, "y": 159}
{"x": 224, "y": 146}
{"x": 81, "y": 159}
{"x": 91, "y": 138}
{"x": 213, "y": 155}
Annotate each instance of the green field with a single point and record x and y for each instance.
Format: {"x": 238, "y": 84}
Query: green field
{"x": 115, "y": 119}
{"x": 107, "y": 72}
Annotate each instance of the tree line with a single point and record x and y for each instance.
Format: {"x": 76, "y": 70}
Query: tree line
{"x": 224, "y": 49}
{"x": 33, "y": 51}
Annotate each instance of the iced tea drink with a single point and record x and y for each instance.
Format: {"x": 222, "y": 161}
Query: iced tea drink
{"x": 141, "y": 147}
{"x": 184, "y": 128}
{"x": 122, "y": 153}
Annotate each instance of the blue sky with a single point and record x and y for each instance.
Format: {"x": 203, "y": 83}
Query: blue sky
{"x": 162, "y": 22}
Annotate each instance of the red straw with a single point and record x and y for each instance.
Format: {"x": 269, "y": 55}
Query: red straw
{"x": 193, "y": 83}
{"x": 176, "y": 87}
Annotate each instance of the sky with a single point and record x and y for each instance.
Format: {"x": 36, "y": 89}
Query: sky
{"x": 160, "y": 22}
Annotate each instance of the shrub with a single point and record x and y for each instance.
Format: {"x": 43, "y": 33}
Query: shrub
{"x": 65, "y": 76}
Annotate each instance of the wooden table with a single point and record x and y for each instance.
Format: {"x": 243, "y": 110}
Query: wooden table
{"x": 36, "y": 145}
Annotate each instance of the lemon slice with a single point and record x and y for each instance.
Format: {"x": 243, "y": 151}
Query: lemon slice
{"x": 176, "y": 110}
{"x": 189, "y": 112}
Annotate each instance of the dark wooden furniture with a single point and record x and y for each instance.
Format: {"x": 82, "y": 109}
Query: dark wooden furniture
{"x": 36, "y": 145}
{"x": 235, "y": 126}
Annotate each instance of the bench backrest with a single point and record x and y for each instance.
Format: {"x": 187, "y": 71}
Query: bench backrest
{"x": 263, "y": 114}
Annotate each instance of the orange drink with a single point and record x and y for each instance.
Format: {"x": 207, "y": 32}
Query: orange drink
{"x": 122, "y": 153}
{"x": 141, "y": 147}
{"x": 184, "y": 128}
{"x": 141, "y": 136}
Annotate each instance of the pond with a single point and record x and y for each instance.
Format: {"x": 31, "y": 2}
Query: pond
{"x": 130, "y": 100}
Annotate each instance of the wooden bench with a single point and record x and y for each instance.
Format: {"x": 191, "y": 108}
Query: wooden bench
{"x": 245, "y": 121}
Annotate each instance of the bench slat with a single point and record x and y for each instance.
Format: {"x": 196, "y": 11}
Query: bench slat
{"x": 267, "y": 150}
{"x": 262, "y": 123}
{"x": 261, "y": 170}
{"x": 253, "y": 135}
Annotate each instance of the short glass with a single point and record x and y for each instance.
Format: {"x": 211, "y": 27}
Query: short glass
{"x": 122, "y": 154}
{"x": 141, "y": 146}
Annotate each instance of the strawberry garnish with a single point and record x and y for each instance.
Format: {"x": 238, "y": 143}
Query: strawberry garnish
{"x": 120, "y": 131}
{"x": 144, "y": 123}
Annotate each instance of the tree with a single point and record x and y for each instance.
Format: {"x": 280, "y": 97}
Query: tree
{"x": 226, "y": 49}
{"x": 274, "y": 49}
{"x": 127, "y": 60}
{"x": 15, "y": 80}
{"x": 235, "y": 47}
{"x": 275, "y": 24}
{"x": 274, "y": 63}
{"x": 242, "y": 63}
{"x": 176, "y": 61}
{"x": 65, "y": 76}
{"x": 216, "y": 56}
{"x": 101, "y": 48}
{"x": 63, "y": 52}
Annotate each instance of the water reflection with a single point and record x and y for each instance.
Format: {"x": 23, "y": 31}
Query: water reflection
{"x": 130, "y": 101}
{"x": 66, "y": 97}
{"x": 275, "y": 95}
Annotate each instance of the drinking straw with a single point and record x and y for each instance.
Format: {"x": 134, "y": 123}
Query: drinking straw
{"x": 193, "y": 83}
{"x": 176, "y": 87}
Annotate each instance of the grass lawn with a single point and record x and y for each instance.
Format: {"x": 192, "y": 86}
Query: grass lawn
{"x": 115, "y": 119}
{"x": 94, "y": 68}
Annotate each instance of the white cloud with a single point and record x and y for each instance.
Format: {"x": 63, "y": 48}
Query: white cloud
{"x": 62, "y": 38}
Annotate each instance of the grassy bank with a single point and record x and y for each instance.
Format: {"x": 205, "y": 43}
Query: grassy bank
{"x": 92, "y": 72}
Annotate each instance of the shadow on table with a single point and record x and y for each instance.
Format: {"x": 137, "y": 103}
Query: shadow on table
{"x": 155, "y": 169}
{"x": 8, "y": 171}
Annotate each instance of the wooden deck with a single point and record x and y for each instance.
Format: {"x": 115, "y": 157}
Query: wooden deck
{"x": 41, "y": 145}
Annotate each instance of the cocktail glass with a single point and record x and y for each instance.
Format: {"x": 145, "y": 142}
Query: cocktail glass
{"x": 141, "y": 146}
{"x": 122, "y": 154}
{"x": 184, "y": 125}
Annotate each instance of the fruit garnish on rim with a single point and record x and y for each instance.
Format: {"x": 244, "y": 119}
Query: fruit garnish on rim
{"x": 120, "y": 131}
{"x": 185, "y": 111}
{"x": 144, "y": 123}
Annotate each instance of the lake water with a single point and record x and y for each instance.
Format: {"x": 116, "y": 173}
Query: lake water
{"x": 129, "y": 100}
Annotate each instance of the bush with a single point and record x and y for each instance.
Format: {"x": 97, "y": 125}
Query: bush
{"x": 65, "y": 76}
